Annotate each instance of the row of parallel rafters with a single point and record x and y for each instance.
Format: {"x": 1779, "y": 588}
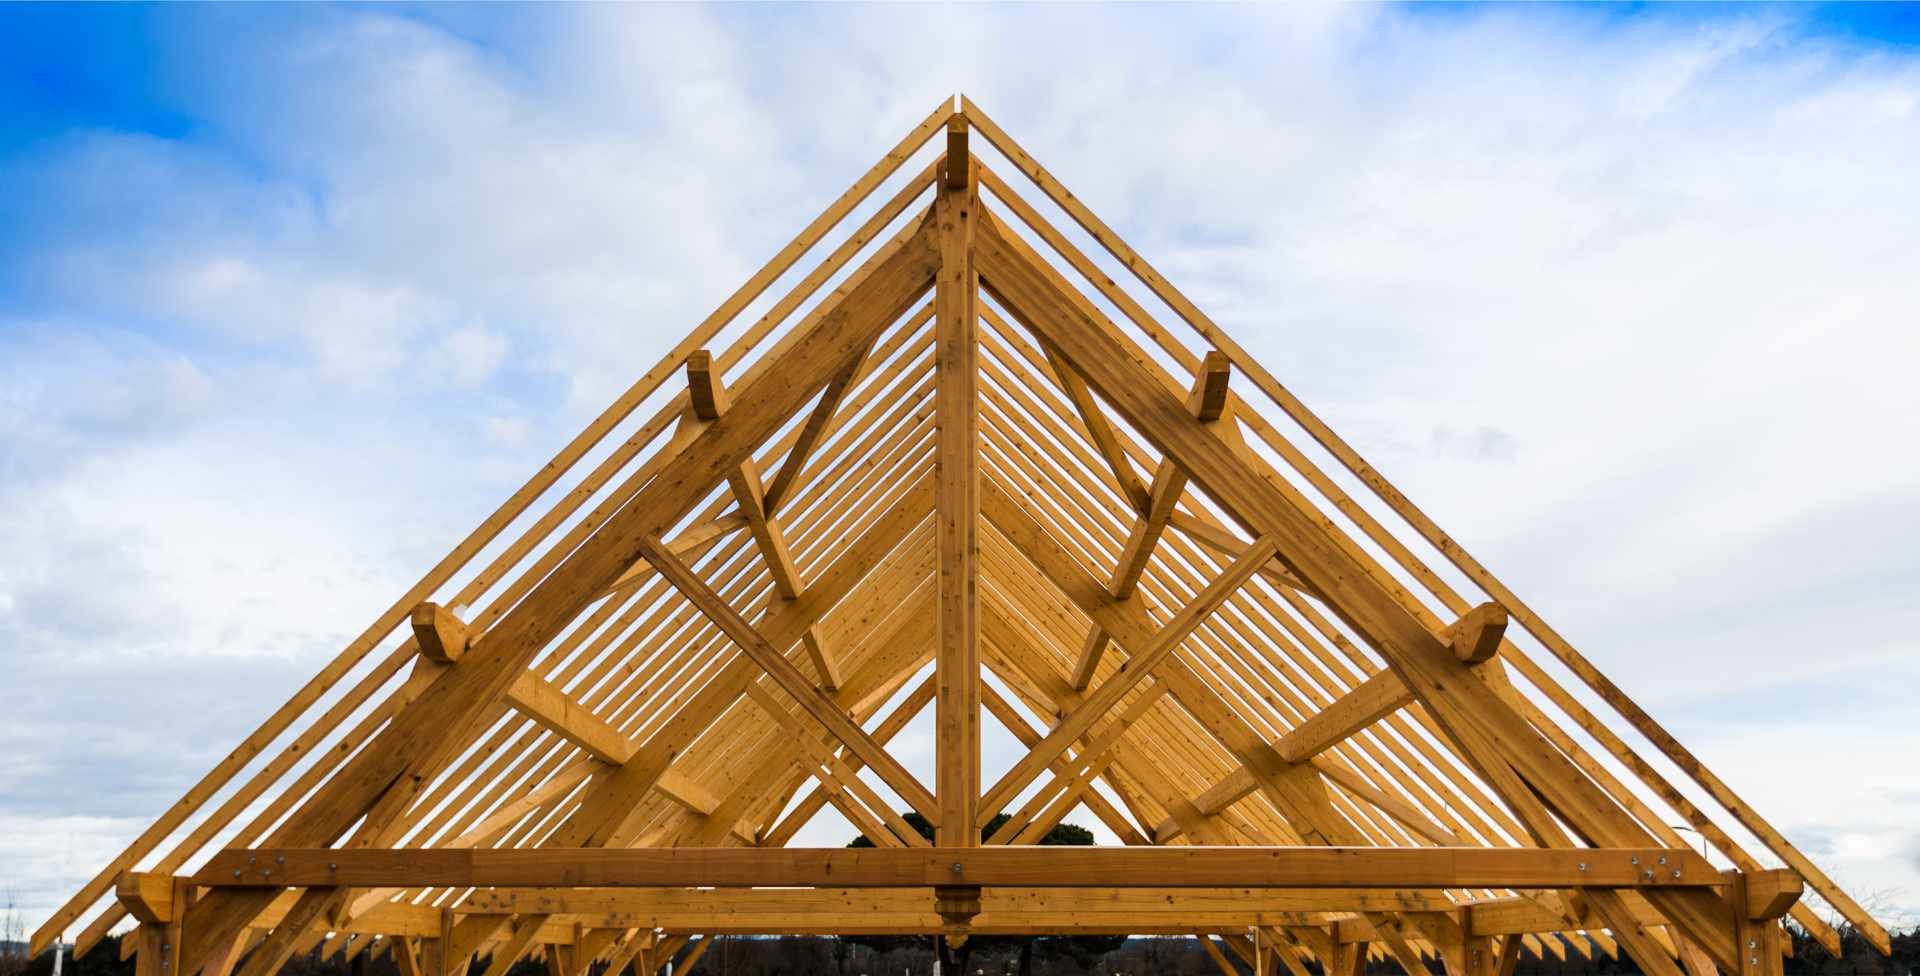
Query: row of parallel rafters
{"x": 637, "y": 721}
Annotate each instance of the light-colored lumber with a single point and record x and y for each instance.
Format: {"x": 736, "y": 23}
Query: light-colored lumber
{"x": 956, "y": 662}
{"x": 788, "y": 677}
{"x": 1118, "y": 867}
{"x": 669, "y": 667}
{"x": 1428, "y": 530}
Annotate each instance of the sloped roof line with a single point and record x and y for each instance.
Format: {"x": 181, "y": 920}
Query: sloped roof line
{"x": 1268, "y": 659}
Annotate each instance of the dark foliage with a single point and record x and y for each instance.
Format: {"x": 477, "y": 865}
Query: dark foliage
{"x": 813, "y": 956}
{"x": 1083, "y": 950}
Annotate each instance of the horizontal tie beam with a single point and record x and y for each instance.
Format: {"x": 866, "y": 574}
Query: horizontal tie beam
{"x": 1262, "y": 867}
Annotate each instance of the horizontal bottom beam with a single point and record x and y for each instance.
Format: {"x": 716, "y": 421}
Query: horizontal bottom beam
{"x": 733, "y": 902}
{"x": 1101, "y": 867}
{"x": 1006, "y": 911}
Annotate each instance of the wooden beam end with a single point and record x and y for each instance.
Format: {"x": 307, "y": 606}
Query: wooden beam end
{"x": 1477, "y": 634}
{"x": 705, "y": 392}
{"x": 957, "y": 170}
{"x": 1771, "y": 893}
{"x": 146, "y": 895}
{"x": 1210, "y": 387}
{"x": 443, "y": 637}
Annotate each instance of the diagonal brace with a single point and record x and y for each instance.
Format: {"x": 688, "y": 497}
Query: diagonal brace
{"x": 789, "y": 678}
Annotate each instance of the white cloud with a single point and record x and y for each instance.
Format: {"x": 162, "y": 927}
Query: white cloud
{"x": 1625, "y": 306}
{"x": 471, "y": 354}
{"x": 510, "y": 431}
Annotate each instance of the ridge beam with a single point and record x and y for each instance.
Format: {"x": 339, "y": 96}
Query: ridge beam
{"x": 789, "y": 678}
{"x": 1207, "y": 401}
{"x": 707, "y": 400}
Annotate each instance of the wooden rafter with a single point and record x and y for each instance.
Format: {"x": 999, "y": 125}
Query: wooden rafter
{"x": 676, "y": 666}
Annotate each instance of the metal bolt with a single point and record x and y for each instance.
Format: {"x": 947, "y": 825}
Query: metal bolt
{"x": 236, "y": 872}
{"x": 1634, "y": 859}
{"x": 1583, "y": 865}
{"x": 1753, "y": 944}
{"x": 249, "y": 858}
{"x": 956, "y": 867}
{"x": 1663, "y": 859}
{"x": 280, "y": 860}
{"x": 266, "y": 873}
{"x": 1649, "y": 874}
{"x": 332, "y": 866}
{"x": 1676, "y": 872}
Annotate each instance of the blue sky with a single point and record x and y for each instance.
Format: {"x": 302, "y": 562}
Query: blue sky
{"x": 1622, "y": 295}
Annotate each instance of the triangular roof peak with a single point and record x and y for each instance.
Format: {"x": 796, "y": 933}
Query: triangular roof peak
{"x": 957, "y": 465}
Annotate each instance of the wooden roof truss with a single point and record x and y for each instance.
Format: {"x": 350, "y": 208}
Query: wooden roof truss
{"x": 956, "y": 464}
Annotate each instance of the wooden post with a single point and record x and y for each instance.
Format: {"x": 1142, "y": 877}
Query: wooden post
{"x": 1477, "y": 954}
{"x": 1758, "y": 900}
{"x": 146, "y": 960}
{"x": 956, "y": 351}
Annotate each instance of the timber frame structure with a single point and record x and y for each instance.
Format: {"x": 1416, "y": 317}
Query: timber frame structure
{"x": 975, "y": 473}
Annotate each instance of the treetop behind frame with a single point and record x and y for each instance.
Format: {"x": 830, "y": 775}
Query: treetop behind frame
{"x": 958, "y": 463}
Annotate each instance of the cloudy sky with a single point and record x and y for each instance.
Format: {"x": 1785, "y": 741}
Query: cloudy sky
{"x": 1626, "y": 298}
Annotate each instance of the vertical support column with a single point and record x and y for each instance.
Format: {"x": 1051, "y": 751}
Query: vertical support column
{"x": 1759, "y": 899}
{"x": 440, "y": 959}
{"x": 1477, "y": 952}
{"x": 1510, "y": 947}
{"x": 170, "y": 941}
{"x": 147, "y": 959}
{"x": 957, "y": 679}
{"x": 1349, "y": 958}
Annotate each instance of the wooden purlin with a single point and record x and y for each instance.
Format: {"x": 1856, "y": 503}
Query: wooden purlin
{"x": 638, "y": 698}
{"x": 432, "y": 722}
{"x": 644, "y": 694}
{"x": 1350, "y": 459}
{"x": 1063, "y": 490}
{"x": 716, "y": 756}
{"x": 307, "y": 742}
{"x": 1483, "y": 730}
{"x": 1066, "y": 488}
